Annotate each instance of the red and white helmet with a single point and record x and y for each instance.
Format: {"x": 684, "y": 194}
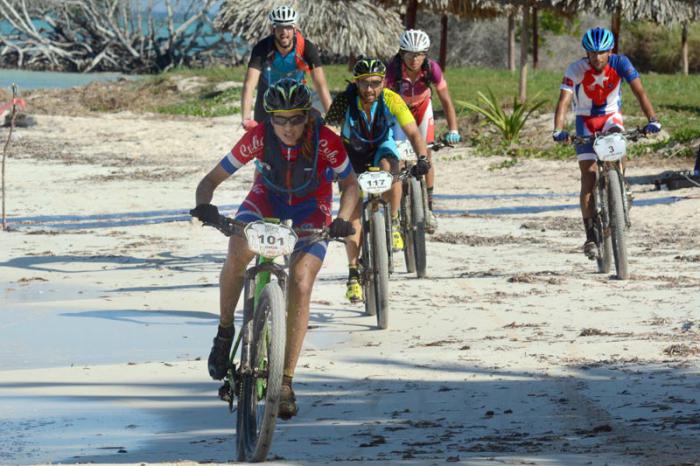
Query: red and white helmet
{"x": 414, "y": 40}
{"x": 283, "y": 16}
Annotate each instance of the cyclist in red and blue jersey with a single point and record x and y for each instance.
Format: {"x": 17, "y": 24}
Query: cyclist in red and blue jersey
{"x": 285, "y": 53}
{"x": 296, "y": 157}
{"x": 411, "y": 74}
{"x": 595, "y": 84}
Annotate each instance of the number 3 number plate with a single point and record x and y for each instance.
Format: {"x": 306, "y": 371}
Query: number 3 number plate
{"x": 610, "y": 148}
{"x": 270, "y": 239}
{"x": 375, "y": 182}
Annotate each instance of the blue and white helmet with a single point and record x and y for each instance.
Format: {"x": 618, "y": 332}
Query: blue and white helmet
{"x": 598, "y": 40}
{"x": 283, "y": 16}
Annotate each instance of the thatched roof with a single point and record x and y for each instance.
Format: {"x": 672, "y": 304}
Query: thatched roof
{"x": 470, "y": 9}
{"x": 343, "y": 27}
{"x": 658, "y": 11}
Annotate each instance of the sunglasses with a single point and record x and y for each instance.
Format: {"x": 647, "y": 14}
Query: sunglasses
{"x": 413, "y": 55}
{"x": 295, "y": 120}
{"x": 366, "y": 84}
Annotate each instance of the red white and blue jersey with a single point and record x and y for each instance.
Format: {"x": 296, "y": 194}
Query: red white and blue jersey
{"x": 331, "y": 157}
{"x": 598, "y": 93}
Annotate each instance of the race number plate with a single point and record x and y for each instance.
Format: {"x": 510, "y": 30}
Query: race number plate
{"x": 405, "y": 150}
{"x": 269, "y": 239}
{"x": 610, "y": 148}
{"x": 375, "y": 182}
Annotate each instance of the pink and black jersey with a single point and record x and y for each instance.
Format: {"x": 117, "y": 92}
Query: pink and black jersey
{"x": 598, "y": 93}
{"x": 331, "y": 157}
{"x": 415, "y": 92}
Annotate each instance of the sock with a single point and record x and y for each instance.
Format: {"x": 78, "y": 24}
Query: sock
{"x": 225, "y": 332}
{"x": 430, "y": 198}
{"x": 590, "y": 229}
{"x": 287, "y": 380}
{"x": 395, "y": 220}
{"x": 353, "y": 272}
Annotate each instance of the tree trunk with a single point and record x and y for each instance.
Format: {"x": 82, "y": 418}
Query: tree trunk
{"x": 524, "y": 41}
{"x": 616, "y": 18}
{"x": 511, "y": 41}
{"x": 684, "y": 49}
{"x": 411, "y": 12}
{"x": 535, "y": 39}
{"x": 443, "y": 42}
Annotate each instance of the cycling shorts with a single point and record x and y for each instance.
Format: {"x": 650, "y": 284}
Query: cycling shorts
{"x": 589, "y": 125}
{"x": 386, "y": 150}
{"x": 312, "y": 213}
{"x": 425, "y": 121}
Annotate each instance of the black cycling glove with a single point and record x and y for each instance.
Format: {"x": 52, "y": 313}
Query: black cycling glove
{"x": 207, "y": 213}
{"x": 340, "y": 228}
{"x": 421, "y": 167}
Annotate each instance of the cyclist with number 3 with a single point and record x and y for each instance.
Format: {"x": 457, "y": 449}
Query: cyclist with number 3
{"x": 295, "y": 156}
{"x": 595, "y": 84}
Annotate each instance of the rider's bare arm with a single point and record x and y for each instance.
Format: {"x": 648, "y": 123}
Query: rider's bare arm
{"x": 562, "y": 108}
{"x": 413, "y": 133}
{"x": 252, "y": 77}
{"x": 349, "y": 195}
{"x": 448, "y": 107}
{"x": 321, "y": 86}
{"x": 641, "y": 95}
{"x": 206, "y": 187}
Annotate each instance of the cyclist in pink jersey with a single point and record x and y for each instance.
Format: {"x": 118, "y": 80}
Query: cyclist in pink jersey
{"x": 411, "y": 74}
{"x": 595, "y": 84}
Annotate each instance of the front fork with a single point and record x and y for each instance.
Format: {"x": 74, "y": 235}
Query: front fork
{"x": 370, "y": 206}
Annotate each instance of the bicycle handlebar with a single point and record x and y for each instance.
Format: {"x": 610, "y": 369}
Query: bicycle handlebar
{"x": 230, "y": 226}
{"x": 631, "y": 135}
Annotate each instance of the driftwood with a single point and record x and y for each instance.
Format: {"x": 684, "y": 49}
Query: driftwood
{"x": 110, "y": 35}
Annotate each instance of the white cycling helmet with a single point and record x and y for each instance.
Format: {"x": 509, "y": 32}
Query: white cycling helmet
{"x": 414, "y": 40}
{"x": 283, "y": 16}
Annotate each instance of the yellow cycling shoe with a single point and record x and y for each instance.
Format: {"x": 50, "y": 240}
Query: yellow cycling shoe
{"x": 396, "y": 239}
{"x": 354, "y": 290}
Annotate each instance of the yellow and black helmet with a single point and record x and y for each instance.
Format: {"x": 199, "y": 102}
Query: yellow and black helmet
{"x": 285, "y": 95}
{"x": 368, "y": 67}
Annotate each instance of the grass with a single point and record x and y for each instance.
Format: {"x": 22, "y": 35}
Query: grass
{"x": 676, "y": 100}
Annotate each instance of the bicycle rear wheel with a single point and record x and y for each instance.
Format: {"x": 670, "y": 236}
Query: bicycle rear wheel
{"x": 380, "y": 270}
{"x": 419, "y": 226}
{"x": 407, "y": 229}
{"x": 602, "y": 230}
{"x": 259, "y": 396}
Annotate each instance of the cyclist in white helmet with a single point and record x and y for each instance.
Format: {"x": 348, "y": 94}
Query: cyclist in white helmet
{"x": 411, "y": 74}
{"x": 285, "y": 53}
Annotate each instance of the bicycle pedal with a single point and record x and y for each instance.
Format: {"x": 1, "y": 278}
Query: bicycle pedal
{"x": 225, "y": 392}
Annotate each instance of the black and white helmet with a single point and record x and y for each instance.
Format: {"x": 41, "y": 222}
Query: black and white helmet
{"x": 283, "y": 16}
{"x": 414, "y": 40}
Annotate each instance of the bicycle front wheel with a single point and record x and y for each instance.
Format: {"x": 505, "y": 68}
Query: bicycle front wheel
{"x": 618, "y": 225}
{"x": 380, "y": 270}
{"x": 259, "y": 397}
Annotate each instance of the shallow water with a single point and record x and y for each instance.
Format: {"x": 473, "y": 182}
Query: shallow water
{"x": 27, "y": 80}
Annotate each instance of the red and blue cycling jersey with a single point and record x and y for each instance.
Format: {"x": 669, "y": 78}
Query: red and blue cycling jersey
{"x": 595, "y": 93}
{"x": 331, "y": 157}
{"x": 312, "y": 210}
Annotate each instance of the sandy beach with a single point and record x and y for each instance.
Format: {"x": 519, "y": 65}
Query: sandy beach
{"x": 513, "y": 350}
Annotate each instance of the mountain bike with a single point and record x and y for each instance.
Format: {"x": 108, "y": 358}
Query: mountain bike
{"x": 256, "y": 380}
{"x": 376, "y": 253}
{"x": 414, "y": 218}
{"x": 611, "y": 201}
